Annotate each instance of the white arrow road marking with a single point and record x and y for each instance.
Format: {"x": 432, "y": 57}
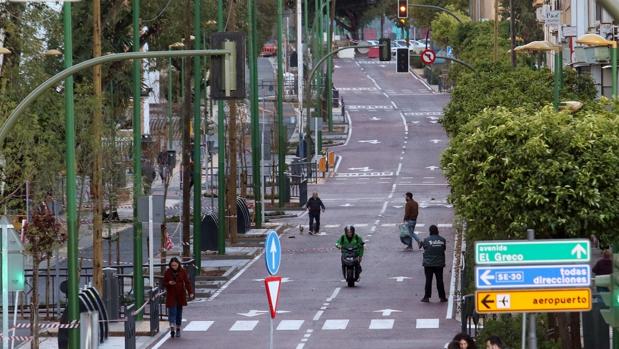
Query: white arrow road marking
{"x": 387, "y": 312}
{"x": 374, "y": 118}
{"x": 253, "y": 313}
{"x": 435, "y": 141}
{"x": 371, "y": 141}
{"x": 399, "y": 278}
{"x": 578, "y": 250}
{"x": 486, "y": 276}
{"x": 432, "y": 168}
{"x": 362, "y": 169}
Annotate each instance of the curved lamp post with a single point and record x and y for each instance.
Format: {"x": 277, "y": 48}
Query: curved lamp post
{"x": 545, "y": 46}
{"x": 595, "y": 40}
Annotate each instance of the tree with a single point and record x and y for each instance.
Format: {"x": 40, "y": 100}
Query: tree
{"x": 550, "y": 171}
{"x": 42, "y": 235}
{"x": 501, "y": 85}
{"x": 527, "y": 28}
{"x": 444, "y": 26}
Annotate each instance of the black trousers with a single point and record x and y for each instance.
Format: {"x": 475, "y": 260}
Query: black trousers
{"x": 438, "y": 272}
{"x": 316, "y": 217}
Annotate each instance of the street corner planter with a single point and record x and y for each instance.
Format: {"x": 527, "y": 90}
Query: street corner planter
{"x": 416, "y": 62}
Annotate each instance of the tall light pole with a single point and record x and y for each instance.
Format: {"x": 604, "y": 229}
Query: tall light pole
{"x": 329, "y": 80}
{"x": 197, "y": 140}
{"x": 281, "y": 139}
{"x": 138, "y": 279}
{"x": 72, "y": 244}
{"x": 221, "y": 155}
{"x": 255, "y": 113}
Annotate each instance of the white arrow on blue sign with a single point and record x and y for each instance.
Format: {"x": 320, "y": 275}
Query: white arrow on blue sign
{"x": 272, "y": 252}
{"x": 546, "y": 276}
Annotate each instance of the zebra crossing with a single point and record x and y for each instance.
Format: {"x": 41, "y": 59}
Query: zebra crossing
{"x": 297, "y": 325}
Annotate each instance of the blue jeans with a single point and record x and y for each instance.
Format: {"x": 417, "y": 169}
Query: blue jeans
{"x": 411, "y": 229}
{"x": 175, "y": 316}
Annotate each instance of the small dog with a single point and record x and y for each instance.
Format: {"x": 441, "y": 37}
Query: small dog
{"x": 301, "y": 229}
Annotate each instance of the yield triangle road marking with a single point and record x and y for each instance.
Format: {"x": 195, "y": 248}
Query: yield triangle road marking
{"x": 272, "y": 285}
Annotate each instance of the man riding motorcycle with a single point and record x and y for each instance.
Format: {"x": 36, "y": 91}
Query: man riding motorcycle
{"x": 351, "y": 240}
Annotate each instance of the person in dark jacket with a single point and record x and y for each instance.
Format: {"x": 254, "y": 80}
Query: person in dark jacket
{"x": 411, "y": 211}
{"x": 314, "y": 206}
{"x": 604, "y": 266}
{"x": 177, "y": 287}
{"x": 433, "y": 263}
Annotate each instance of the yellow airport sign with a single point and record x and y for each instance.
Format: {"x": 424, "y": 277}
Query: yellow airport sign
{"x": 533, "y": 301}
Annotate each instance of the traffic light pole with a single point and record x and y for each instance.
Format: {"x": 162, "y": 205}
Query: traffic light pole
{"x": 329, "y": 80}
{"x": 221, "y": 156}
{"x": 197, "y": 141}
{"x": 255, "y": 112}
{"x": 281, "y": 134}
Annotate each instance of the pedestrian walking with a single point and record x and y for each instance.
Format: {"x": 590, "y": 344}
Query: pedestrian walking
{"x": 411, "y": 211}
{"x": 314, "y": 207}
{"x": 433, "y": 263}
{"x": 464, "y": 341}
{"x": 494, "y": 342}
{"x": 177, "y": 287}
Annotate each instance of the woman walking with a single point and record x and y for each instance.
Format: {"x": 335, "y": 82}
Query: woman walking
{"x": 177, "y": 286}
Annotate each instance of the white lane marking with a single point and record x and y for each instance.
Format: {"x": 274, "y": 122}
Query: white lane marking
{"x": 299, "y": 346}
{"x": 361, "y": 225}
{"x": 395, "y": 106}
{"x": 289, "y": 325}
{"x": 381, "y": 324}
{"x": 349, "y": 130}
{"x": 323, "y": 308}
{"x": 377, "y": 221}
{"x": 404, "y": 122}
{"x": 332, "y": 225}
{"x": 335, "y": 324}
{"x": 334, "y": 294}
{"x": 384, "y": 207}
{"x": 337, "y": 163}
{"x": 218, "y": 292}
{"x": 452, "y": 287}
{"x": 309, "y": 330}
{"x": 244, "y": 325}
{"x": 444, "y": 225}
{"x": 401, "y": 158}
{"x": 388, "y": 225}
{"x": 427, "y": 323}
{"x": 373, "y": 229}
{"x": 318, "y": 315}
{"x": 386, "y": 95}
{"x": 397, "y": 173}
{"x": 391, "y": 194}
{"x": 307, "y": 335}
{"x": 198, "y": 326}
{"x": 399, "y": 278}
{"x": 422, "y": 81}
{"x": 393, "y": 188}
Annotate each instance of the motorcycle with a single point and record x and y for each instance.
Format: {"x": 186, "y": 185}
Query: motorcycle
{"x": 350, "y": 265}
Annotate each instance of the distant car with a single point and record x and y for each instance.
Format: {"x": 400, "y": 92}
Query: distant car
{"x": 269, "y": 49}
{"x": 395, "y": 46}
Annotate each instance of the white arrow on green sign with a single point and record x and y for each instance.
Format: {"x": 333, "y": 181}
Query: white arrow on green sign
{"x": 532, "y": 251}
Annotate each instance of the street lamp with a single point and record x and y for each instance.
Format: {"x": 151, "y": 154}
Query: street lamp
{"x": 595, "y": 40}
{"x": 545, "y": 46}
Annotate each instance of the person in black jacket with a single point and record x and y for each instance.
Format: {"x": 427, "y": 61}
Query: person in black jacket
{"x": 314, "y": 206}
{"x": 433, "y": 263}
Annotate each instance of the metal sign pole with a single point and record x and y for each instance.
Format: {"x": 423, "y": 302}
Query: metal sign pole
{"x": 532, "y": 338}
{"x": 15, "y": 316}
{"x": 5, "y": 283}
{"x": 271, "y": 336}
{"x": 151, "y": 272}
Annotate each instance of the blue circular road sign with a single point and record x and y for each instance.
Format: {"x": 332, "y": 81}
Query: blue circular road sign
{"x": 272, "y": 252}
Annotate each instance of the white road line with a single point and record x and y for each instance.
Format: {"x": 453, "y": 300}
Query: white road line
{"x": 337, "y": 163}
{"x": 334, "y": 294}
{"x": 391, "y": 194}
{"x": 397, "y": 173}
{"x": 332, "y": 225}
{"x": 218, "y": 292}
{"x": 300, "y": 346}
{"x": 323, "y": 308}
{"x": 244, "y": 325}
{"x": 445, "y": 225}
{"x": 393, "y": 188}
{"x": 388, "y": 225}
{"x": 318, "y": 315}
{"x": 335, "y": 324}
{"x": 198, "y": 326}
{"x": 427, "y": 323}
{"x": 401, "y": 158}
{"x": 395, "y": 106}
{"x": 386, "y": 95}
{"x": 404, "y": 122}
{"x": 377, "y": 221}
{"x": 384, "y": 207}
{"x": 422, "y": 81}
{"x": 381, "y": 324}
{"x": 373, "y": 229}
{"x": 452, "y": 287}
{"x": 289, "y": 325}
{"x": 307, "y": 335}
{"x": 361, "y": 225}
{"x": 349, "y": 130}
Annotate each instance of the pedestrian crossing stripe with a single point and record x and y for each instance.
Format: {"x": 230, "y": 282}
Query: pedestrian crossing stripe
{"x": 296, "y": 325}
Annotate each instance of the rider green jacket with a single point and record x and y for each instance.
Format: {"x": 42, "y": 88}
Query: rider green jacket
{"x": 355, "y": 242}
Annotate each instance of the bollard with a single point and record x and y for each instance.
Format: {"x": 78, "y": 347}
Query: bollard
{"x": 110, "y": 293}
{"x": 154, "y": 311}
{"x": 322, "y": 166}
{"x": 130, "y": 327}
{"x": 332, "y": 160}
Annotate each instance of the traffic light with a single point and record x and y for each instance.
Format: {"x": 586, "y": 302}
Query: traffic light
{"x": 611, "y": 298}
{"x": 384, "y": 49}
{"x": 402, "y": 58}
{"x": 402, "y": 8}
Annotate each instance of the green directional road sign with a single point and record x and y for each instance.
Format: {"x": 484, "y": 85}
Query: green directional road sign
{"x": 532, "y": 251}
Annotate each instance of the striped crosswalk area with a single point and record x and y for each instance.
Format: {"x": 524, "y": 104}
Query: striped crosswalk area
{"x": 297, "y": 325}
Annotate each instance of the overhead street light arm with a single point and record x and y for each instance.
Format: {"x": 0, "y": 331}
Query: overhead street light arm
{"x": 26, "y": 102}
{"x": 438, "y": 8}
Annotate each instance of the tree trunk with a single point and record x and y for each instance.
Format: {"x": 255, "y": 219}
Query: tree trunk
{"x": 186, "y": 159}
{"x": 97, "y": 185}
{"x": 34, "y": 305}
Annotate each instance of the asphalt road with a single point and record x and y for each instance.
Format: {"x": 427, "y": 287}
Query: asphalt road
{"x": 394, "y": 147}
